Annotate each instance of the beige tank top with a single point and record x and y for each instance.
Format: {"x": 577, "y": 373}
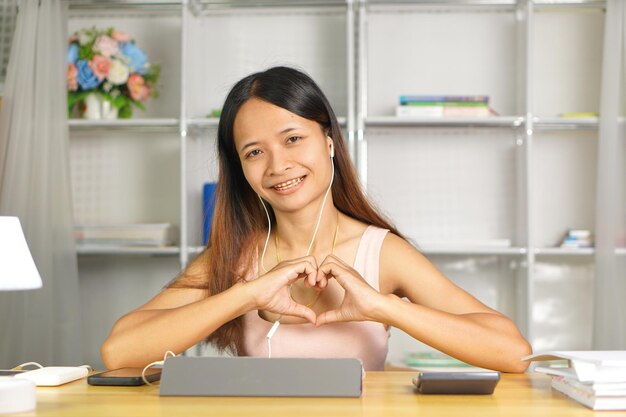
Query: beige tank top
{"x": 367, "y": 341}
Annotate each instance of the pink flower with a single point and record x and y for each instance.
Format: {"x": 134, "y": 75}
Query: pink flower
{"x": 121, "y": 36}
{"x": 100, "y": 66}
{"x": 72, "y": 72}
{"x": 137, "y": 87}
{"x": 105, "y": 45}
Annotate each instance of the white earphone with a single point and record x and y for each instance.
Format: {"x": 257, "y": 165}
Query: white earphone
{"x": 269, "y": 229}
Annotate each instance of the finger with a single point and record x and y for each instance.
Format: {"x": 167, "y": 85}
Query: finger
{"x": 335, "y": 270}
{"x": 296, "y": 309}
{"x": 331, "y": 316}
{"x": 302, "y": 268}
{"x": 311, "y": 280}
{"x": 321, "y": 279}
{"x": 334, "y": 258}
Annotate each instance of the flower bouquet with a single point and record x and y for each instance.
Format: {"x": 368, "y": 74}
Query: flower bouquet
{"x": 107, "y": 66}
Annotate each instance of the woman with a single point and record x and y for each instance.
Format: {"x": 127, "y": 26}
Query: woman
{"x": 295, "y": 241}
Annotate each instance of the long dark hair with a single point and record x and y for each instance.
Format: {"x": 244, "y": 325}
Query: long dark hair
{"x": 239, "y": 218}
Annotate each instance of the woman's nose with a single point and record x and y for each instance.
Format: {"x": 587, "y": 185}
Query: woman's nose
{"x": 279, "y": 162}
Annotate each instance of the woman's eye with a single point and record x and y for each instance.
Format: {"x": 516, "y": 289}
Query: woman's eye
{"x": 294, "y": 139}
{"x": 254, "y": 152}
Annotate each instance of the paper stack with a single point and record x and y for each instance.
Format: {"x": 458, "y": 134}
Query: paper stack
{"x": 596, "y": 379}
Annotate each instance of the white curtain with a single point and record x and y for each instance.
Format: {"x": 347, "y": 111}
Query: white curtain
{"x": 41, "y": 325}
{"x": 609, "y": 330}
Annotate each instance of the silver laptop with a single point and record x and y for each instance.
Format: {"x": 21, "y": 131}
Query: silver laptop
{"x": 261, "y": 377}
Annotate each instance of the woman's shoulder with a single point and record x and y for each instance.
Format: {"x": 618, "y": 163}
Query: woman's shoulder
{"x": 352, "y": 229}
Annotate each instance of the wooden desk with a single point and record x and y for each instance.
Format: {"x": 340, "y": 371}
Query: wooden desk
{"x": 385, "y": 394}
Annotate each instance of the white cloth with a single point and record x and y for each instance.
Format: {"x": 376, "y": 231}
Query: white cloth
{"x": 41, "y": 325}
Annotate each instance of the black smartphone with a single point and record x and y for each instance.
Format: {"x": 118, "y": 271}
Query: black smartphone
{"x": 124, "y": 377}
{"x": 456, "y": 382}
{"x": 11, "y": 372}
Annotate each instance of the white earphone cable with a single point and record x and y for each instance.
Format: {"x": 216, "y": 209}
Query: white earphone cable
{"x": 143, "y": 373}
{"x": 269, "y": 229}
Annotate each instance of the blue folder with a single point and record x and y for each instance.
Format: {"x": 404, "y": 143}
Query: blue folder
{"x": 208, "y": 207}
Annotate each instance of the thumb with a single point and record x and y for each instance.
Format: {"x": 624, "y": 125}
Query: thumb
{"x": 331, "y": 316}
{"x": 299, "y": 310}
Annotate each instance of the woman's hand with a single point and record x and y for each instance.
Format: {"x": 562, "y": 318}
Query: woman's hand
{"x": 360, "y": 301}
{"x": 271, "y": 291}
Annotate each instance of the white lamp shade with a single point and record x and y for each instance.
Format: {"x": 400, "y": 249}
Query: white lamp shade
{"x": 17, "y": 268}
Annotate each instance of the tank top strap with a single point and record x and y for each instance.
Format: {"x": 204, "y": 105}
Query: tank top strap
{"x": 367, "y": 257}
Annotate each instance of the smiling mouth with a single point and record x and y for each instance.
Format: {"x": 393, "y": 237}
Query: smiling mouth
{"x": 284, "y": 186}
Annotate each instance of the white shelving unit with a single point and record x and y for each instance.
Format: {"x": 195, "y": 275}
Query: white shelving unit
{"x": 535, "y": 59}
{"x": 461, "y": 179}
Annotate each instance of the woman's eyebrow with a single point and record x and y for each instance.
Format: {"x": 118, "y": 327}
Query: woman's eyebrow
{"x": 247, "y": 145}
{"x": 288, "y": 129}
{"x": 282, "y": 132}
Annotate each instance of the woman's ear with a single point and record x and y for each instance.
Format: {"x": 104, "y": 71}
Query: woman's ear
{"x": 332, "y": 146}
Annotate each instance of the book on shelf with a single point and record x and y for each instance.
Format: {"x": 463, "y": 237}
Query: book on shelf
{"x": 579, "y": 115}
{"x": 577, "y": 238}
{"x": 208, "y": 206}
{"x": 443, "y": 106}
{"x": 142, "y": 234}
{"x": 443, "y": 111}
{"x": 409, "y": 99}
{"x": 596, "y": 379}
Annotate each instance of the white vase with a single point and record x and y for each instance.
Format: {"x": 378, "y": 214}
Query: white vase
{"x": 96, "y": 107}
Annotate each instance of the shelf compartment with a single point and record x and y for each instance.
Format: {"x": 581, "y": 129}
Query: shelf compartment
{"x": 166, "y": 124}
{"x": 500, "y": 121}
{"x": 126, "y": 250}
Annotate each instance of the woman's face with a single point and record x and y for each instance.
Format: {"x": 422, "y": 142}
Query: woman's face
{"x": 285, "y": 157}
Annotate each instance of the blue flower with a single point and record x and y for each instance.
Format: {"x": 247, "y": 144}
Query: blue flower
{"x": 72, "y": 53}
{"x": 85, "y": 77}
{"x": 138, "y": 59}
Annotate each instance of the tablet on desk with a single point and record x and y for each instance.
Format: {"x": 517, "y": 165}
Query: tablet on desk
{"x": 456, "y": 382}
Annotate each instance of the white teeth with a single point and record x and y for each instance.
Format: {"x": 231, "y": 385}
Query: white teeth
{"x": 288, "y": 184}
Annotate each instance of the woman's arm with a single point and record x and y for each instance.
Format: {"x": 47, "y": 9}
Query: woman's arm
{"x": 175, "y": 319}
{"x": 440, "y": 314}
{"x": 178, "y": 318}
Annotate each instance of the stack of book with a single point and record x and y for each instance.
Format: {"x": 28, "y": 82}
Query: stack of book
{"x": 443, "y": 106}
{"x": 577, "y": 238}
{"x": 596, "y": 379}
{"x": 159, "y": 234}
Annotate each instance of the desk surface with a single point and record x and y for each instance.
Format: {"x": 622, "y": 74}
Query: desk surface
{"x": 384, "y": 394}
